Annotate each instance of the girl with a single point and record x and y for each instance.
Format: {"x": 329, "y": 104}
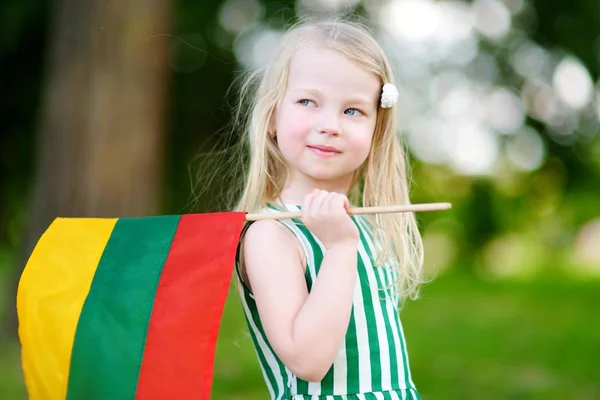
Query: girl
{"x": 321, "y": 294}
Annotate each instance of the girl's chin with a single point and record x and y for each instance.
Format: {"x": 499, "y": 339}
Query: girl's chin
{"x": 329, "y": 176}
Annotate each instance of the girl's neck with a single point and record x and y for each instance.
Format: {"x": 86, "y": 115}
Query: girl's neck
{"x": 296, "y": 189}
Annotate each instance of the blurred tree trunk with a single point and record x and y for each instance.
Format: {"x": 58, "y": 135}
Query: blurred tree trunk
{"x": 101, "y": 135}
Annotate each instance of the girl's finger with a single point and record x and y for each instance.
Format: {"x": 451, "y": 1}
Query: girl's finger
{"x": 337, "y": 202}
{"x": 317, "y": 203}
{"x": 346, "y": 202}
{"x": 308, "y": 203}
{"x": 331, "y": 202}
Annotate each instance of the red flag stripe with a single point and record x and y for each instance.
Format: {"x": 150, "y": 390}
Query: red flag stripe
{"x": 188, "y": 307}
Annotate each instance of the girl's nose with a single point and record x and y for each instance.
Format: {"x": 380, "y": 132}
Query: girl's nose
{"x": 329, "y": 124}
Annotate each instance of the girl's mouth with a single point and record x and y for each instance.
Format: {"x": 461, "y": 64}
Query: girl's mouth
{"x": 324, "y": 151}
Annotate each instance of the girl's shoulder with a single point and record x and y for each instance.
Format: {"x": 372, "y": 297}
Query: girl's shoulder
{"x": 266, "y": 240}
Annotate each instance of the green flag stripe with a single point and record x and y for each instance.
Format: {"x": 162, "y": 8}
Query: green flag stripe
{"x": 111, "y": 333}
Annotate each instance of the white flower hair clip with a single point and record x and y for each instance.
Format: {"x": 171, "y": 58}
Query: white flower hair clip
{"x": 389, "y": 95}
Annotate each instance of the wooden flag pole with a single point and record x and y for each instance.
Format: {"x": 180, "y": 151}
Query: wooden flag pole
{"x": 358, "y": 211}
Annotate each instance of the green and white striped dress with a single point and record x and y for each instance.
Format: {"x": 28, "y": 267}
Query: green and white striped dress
{"x": 372, "y": 363}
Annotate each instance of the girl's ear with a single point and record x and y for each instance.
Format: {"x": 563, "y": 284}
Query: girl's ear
{"x": 272, "y": 127}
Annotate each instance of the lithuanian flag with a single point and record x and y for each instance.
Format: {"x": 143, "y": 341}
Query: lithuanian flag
{"x": 126, "y": 308}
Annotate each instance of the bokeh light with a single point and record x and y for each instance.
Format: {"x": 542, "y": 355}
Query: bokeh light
{"x": 254, "y": 46}
{"x": 238, "y": 15}
{"x": 492, "y": 18}
{"x": 526, "y": 150}
{"x": 587, "y": 250}
{"x": 573, "y": 83}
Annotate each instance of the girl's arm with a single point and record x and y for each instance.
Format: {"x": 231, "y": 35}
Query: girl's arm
{"x": 305, "y": 330}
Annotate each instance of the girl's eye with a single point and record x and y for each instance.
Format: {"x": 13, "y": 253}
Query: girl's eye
{"x": 352, "y": 111}
{"x": 306, "y": 102}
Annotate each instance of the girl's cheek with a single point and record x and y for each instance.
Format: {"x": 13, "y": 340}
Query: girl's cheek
{"x": 297, "y": 122}
{"x": 362, "y": 143}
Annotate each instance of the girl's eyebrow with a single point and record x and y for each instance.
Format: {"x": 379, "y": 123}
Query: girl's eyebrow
{"x": 356, "y": 99}
{"x": 361, "y": 100}
{"x": 313, "y": 92}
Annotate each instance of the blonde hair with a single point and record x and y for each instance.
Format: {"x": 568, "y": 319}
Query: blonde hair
{"x": 381, "y": 180}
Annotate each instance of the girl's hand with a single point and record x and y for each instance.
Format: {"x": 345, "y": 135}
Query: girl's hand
{"x": 325, "y": 215}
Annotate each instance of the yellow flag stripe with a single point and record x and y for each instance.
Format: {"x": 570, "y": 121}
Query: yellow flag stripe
{"x": 52, "y": 290}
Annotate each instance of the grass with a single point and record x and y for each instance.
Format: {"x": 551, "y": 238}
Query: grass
{"x": 467, "y": 338}
{"x": 474, "y": 339}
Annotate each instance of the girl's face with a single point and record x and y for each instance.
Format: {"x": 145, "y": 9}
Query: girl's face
{"x": 326, "y": 117}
